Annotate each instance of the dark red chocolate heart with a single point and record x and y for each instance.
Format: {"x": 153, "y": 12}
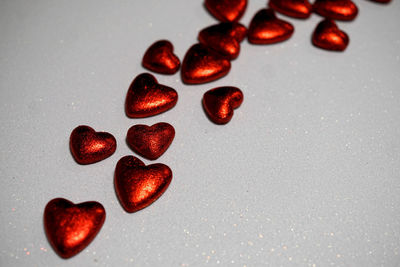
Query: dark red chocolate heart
{"x": 328, "y": 36}
{"x": 300, "y": 9}
{"x": 146, "y": 97}
{"x": 88, "y": 146}
{"x": 137, "y": 186}
{"x": 160, "y": 58}
{"x": 202, "y": 64}
{"x": 150, "y": 141}
{"x": 266, "y": 28}
{"x": 71, "y": 227}
{"x": 336, "y": 9}
{"x": 219, "y": 103}
{"x": 226, "y": 10}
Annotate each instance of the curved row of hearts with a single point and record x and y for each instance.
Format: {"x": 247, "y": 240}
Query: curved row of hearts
{"x": 71, "y": 227}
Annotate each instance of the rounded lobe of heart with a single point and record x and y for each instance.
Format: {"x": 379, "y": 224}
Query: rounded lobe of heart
{"x": 137, "y": 186}
{"x": 151, "y": 141}
{"x": 219, "y": 103}
{"x": 224, "y": 38}
{"x": 300, "y": 9}
{"x": 202, "y": 64}
{"x": 146, "y": 97}
{"x": 71, "y": 227}
{"x": 266, "y": 28}
{"x": 226, "y": 10}
{"x": 328, "y": 36}
{"x": 88, "y": 146}
{"x": 160, "y": 58}
{"x": 336, "y": 9}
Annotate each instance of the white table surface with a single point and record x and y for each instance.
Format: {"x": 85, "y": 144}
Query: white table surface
{"x": 307, "y": 173}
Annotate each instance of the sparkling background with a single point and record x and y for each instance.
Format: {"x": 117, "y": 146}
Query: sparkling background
{"x": 307, "y": 173}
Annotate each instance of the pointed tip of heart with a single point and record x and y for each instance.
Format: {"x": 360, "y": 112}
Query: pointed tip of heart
{"x": 160, "y": 58}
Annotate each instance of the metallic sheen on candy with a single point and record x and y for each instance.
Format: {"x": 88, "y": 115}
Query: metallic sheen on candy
{"x": 226, "y": 10}
{"x": 219, "y": 103}
{"x": 202, "y": 64}
{"x": 137, "y": 186}
{"x": 300, "y": 9}
{"x": 150, "y": 141}
{"x": 328, "y": 36}
{"x": 336, "y": 9}
{"x": 146, "y": 97}
{"x": 224, "y": 38}
{"x": 160, "y": 58}
{"x": 88, "y": 146}
{"x": 71, "y": 227}
{"x": 266, "y": 28}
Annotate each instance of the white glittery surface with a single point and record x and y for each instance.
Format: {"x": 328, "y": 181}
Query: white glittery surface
{"x": 307, "y": 173}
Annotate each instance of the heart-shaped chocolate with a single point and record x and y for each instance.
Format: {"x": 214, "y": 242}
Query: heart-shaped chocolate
{"x": 71, "y": 227}
{"x": 137, "y": 186}
{"x": 146, "y": 97}
{"x": 328, "y": 36}
{"x": 88, "y": 146}
{"x": 266, "y": 28}
{"x": 224, "y": 38}
{"x": 160, "y": 58}
{"x": 226, "y": 10}
{"x": 150, "y": 141}
{"x": 202, "y": 64}
{"x": 219, "y": 103}
{"x": 336, "y": 9}
{"x": 300, "y": 9}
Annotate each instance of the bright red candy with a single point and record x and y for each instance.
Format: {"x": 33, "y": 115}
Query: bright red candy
{"x": 226, "y": 10}
{"x": 336, "y": 9}
{"x": 328, "y": 36}
{"x": 137, "y": 186}
{"x": 150, "y": 141}
{"x": 71, "y": 227}
{"x": 266, "y": 28}
{"x": 202, "y": 64}
{"x": 219, "y": 103}
{"x": 160, "y": 58}
{"x": 224, "y": 38}
{"x": 300, "y": 9}
{"x": 88, "y": 146}
{"x": 146, "y": 97}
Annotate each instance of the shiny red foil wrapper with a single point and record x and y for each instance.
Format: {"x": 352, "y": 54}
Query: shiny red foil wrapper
{"x": 71, "y": 227}
{"x": 336, "y": 9}
{"x": 266, "y": 28}
{"x": 88, "y": 146}
{"x": 328, "y": 36}
{"x": 137, "y": 186}
{"x": 224, "y": 38}
{"x": 220, "y": 102}
{"x": 160, "y": 58}
{"x": 146, "y": 97}
{"x": 226, "y": 10}
{"x": 201, "y": 64}
{"x": 300, "y": 9}
{"x": 150, "y": 141}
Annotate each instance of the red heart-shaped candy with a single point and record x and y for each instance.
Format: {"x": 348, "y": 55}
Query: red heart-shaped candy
{"x": 71, "y": 227}
{"x": 266, "y": 28}
{"x": 224, "y": 38}
{"x": 226, "y": 10}
{"x": 220, "y": 102}
{"x": 160, "y": 58}
{"x": 336, "y": 9}
{"x": 202, "y": 64}
{"x": 137, "y": 186}
{"x": 328, "y": 36}
{"x": 150, "y": 141}
{"x": 146, "y": 97}
{"x": 88, "y": 146}
{"x": 300, "y": 9}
